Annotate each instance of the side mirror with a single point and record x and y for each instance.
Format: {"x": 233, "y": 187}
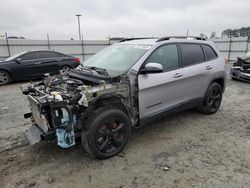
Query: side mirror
{"x": 18, "y": 60}
{"x": 152, "y": 68}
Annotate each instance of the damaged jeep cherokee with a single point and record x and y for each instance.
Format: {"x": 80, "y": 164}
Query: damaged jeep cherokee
{"x": 128, "y": 84}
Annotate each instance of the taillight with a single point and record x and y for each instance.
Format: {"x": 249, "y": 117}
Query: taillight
{"x": 76, "y": 60}
{"x": 225, "y": 60}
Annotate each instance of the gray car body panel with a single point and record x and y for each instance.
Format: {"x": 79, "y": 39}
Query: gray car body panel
{"x": 158, "y": 92}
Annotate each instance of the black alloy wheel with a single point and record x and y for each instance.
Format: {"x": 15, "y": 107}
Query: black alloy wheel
{"x": 107, "y": 134}
{"x": 4, "y": 77}
{"x": 213, "y": 98}
{"x": 110, "y": 135}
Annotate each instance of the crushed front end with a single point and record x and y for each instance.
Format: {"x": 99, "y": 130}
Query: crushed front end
{"x": 60, "y": 104}
{"x": 241, "y": 69}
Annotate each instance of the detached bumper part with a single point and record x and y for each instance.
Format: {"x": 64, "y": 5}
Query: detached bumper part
{"x": 237, "y": 73}
{"x": 33, "y": 134}
{"x": 65, "y": 139}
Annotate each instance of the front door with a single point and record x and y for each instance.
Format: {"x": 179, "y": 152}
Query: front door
{"x": 160, "y": 91}
{"x": 25, "y": 67}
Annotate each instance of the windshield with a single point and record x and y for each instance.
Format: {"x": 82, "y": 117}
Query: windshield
{"x": 117, "y": 58}
{"x": 14, "y": 56}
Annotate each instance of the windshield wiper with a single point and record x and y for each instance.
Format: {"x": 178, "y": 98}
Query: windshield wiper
{"x": 98, "y": 70}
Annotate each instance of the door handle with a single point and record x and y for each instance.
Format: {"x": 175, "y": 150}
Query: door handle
{"x": 208, "y": 67}
{"x": 38, "y": 63}
{"x": 177, "y": 75}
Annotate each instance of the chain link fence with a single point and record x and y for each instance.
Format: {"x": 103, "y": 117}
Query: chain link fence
{"x": 230, "y": 47}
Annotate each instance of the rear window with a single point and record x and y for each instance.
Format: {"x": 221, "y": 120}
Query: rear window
{"x": 209, "y": 52}
{"x": 191, "y": 54}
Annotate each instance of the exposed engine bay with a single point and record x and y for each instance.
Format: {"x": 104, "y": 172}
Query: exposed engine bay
{"x": 61, "y": 104}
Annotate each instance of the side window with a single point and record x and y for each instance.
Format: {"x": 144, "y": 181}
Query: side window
{"x": 59, "y": 54}
{"x": 29, "y": 56}
{"x": 39, "y": 55}
{"x": 167, "y": 56}
{"x": 209, "y": 52}
{"x": 191, "y": 54}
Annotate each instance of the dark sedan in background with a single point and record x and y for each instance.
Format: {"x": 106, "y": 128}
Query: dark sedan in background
{"x": 34, "y": 64}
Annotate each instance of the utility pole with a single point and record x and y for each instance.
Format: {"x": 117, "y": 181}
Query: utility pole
{"x": 83, "y": 58}
{"x": 7, "y": 42}
{"x": 48, "y": 41}
{"x": 79, "y": 26}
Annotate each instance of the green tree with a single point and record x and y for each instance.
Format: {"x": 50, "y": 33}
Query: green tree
{"x": 242, "y": 32}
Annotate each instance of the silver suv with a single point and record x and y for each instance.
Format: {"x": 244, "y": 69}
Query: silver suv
{"x": 126, "y": 85}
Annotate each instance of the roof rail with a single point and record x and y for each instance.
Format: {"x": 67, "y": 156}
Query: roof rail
{"x": 180, "y": 37}
{"x": 140, "y": 38}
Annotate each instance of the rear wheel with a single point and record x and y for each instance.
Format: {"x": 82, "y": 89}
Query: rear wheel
{"x": 65, "y": 69}
{"x": 212, "y": 99}
{"x": 4, "y": 77}
{"x": 108, "y": 131}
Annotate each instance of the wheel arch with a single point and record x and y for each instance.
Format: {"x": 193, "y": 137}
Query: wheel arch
{"x": 11, "y": 77}
{"x": 103, "y": 101}
{"x": 220, "y": 81}
{"x": 66, "y": 65}
{"x": 110, "y": 100}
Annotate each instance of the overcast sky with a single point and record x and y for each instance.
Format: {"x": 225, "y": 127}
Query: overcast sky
{"x": 35, "y": 18}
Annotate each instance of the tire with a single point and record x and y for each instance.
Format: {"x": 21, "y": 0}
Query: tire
{"x": 107, "y": 132}
{"x": 212, "y": 99}
{"x": 5, "y": 77}
{"x": 65, "y": 69}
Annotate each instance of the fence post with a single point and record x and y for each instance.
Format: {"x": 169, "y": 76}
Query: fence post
{"x": 248, "y": 38}
{"x": 109, "y": 40}
{"x": 82, "y": 49}
{"x": 229, "y": 49}
{"x": 48, "y": 41}
{"x": 7, "y": 42}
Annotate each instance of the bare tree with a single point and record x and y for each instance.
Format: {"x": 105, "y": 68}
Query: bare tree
{"x": 213, "y": 35}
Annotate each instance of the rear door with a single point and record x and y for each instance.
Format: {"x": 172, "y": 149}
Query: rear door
{"x": 196, "y": 70}
{"x": 50, "y": 62}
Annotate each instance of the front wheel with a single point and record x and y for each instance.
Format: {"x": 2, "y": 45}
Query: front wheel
{"x": 107, "y": 132}
{"x": 4, "y": 77}
{"x": 212, "y": 99}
